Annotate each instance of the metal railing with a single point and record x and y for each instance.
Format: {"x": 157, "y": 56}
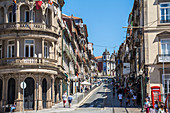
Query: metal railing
{"x": 28, "y": 26}
{"x": 22, "y": 61}
{"x": 66, "y": 50}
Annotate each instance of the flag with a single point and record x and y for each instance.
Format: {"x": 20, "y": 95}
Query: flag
{"x": 14, "y": 7}
{"x": 14, "y": 1}
{"x": 38, "y": 4}
{"x": 50, "y": 2}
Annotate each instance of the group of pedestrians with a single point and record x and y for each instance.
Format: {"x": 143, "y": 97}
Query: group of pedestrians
{"x": 127, "y": 92}
{"x": 65, "y": 98}
{"x": 157, "y": 108}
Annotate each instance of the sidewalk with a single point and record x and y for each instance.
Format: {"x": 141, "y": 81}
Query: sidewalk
{"x": 78, "y": 98}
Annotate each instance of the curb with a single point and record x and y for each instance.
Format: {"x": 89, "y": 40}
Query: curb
{"x": 87, "y": 97}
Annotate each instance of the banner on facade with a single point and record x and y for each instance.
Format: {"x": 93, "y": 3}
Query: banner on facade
{"x": 126, "y": 68}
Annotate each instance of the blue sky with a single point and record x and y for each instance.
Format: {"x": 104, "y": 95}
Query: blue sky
{"x": 104, "y": 19}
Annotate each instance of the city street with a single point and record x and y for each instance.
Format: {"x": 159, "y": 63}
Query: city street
{"x": 103, "y": 101}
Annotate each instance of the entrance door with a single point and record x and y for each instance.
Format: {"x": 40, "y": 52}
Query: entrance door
{"x": 1, "y": 83}
{"x": 44, "y": 92}
{"x": 29, "y": 94}
{"x": 11, "y": 91}
{"x": 55, "y": 88}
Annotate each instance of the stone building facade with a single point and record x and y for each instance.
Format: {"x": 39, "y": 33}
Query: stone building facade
{"x": 30, "y": 51}
{"x": 146, "y": 48}
{"x": 106, "y": 64}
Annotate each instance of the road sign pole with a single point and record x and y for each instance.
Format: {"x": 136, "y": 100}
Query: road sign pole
{"x": 23, "y": 97}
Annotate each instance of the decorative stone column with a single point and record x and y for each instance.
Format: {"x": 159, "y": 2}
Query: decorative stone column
{"x": 61, "y": 88}
{"x": 5, "y": 15}
{"x": 18, "y": 14}
{"x": 53, "y": 93}
{"x": 17, "y": 48}
{"x": 40, "y": 102}
{"x": 48, "y": 103}
{"x": 42, "y": 47}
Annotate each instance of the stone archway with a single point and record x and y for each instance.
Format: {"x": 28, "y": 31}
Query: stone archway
{"x": 44, "y": 92}
{"x": 11, "y": 91}
{"x": 29, "y": 93}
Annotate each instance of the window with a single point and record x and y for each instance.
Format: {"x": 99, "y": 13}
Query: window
{"x": 0, "y": 49}
{"x": 10, "y": 49}
{"x": 29, "y": 48}
{"x": 33, "y": 16}
{"x": 11, "y": 17}
{"x": 165, "y": 12}
{"x": 104, "y": 57}
{"x": 46, "y": 51}
{"x": 27, "y": 16}
{"x": 165, "y": 46}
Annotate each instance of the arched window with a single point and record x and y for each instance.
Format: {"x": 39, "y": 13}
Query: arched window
{"x": 1, "y": 84}
{"x": 1, "y": 15}
{"x": 29, "y": 93}
{"x": 48, "y": 16}
{"x": 11, "y": 91}
{"x": 37, "y": 15}
{"x": 44, "y": 92}
{"x": 11, "y": 16}
{"x": 24, "y": 13}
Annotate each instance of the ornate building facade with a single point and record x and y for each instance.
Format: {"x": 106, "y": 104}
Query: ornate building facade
{"x": 31, "y": 51}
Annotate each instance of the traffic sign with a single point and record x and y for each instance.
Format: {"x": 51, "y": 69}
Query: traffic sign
{"x": 23, "y": 85}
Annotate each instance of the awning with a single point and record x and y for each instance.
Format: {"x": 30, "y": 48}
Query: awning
{"x": 85, "y": 83}
{"x": 66, "y": 75}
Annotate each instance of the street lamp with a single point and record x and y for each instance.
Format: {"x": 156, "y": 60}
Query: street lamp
{"x": 140, "y": 73}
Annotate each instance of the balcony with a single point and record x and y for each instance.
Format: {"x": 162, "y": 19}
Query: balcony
{"x": 29, "y": 26}
{"x": 164, "y": 58}
{"x": 24, "y": 62}
{"x": 67, "y": 52}
{"x": 74, "y": 58}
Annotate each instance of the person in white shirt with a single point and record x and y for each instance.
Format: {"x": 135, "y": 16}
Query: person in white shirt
{"x": 120, "y": 96}
{"x": 64, "y": 98}
{"x": 70, "y": 98}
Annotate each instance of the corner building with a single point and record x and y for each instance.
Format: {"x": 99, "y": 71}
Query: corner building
{"x": 30, "y": 51}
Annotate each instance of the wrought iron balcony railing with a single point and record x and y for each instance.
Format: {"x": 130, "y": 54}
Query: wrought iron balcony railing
{"x": 29, "y": 26}
{"x": 28, "y": 61}
{"x": 66, "y": 50}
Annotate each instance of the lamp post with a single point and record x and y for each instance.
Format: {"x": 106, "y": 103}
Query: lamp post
{"x": 140, "y": 73}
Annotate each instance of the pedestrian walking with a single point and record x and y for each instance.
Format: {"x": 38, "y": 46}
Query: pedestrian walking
{"x": 148, "y": 97}
{"x": 166, "y": 110}
{"x": 13, "y": 107}
{"x": 70, "y": 98}
{"x": 120, "y": 96}
{"x": 156, "y": 106}
{"x": 161, "y": 109}
{"x": 128, "y": 99}
{"x": 64, "y": 98}
{"x": 134, "y": 99}
{"x": 147, "y": 105}
{"x": 152, "y": 110}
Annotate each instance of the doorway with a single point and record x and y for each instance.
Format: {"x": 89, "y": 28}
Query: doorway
{"x": 11, "y": 91}
{"x": 44, "y": 92}
{"x": 29, "y": 93}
